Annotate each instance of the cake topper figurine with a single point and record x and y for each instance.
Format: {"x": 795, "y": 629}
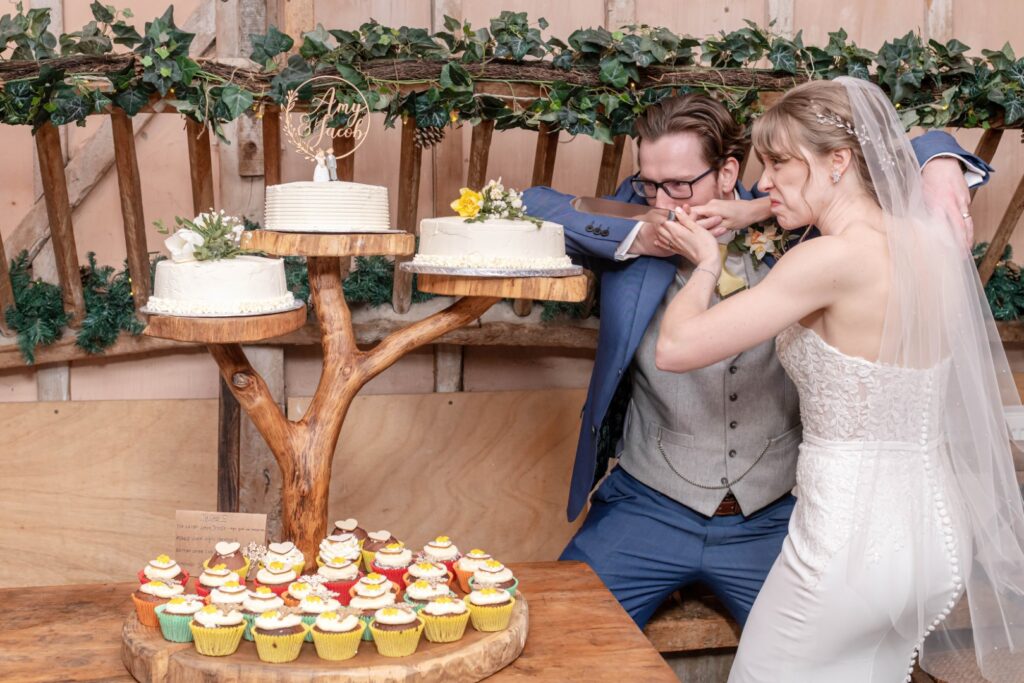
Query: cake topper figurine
{"x": 326, "y": 117}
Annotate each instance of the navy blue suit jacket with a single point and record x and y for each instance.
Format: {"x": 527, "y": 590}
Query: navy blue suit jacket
{"x": 630, "y": 294}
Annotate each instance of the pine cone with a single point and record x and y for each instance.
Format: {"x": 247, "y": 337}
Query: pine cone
{"x": 425, "y": 138}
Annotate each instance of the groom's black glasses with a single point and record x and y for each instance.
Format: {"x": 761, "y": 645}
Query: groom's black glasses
{"x": 676, "y": 189}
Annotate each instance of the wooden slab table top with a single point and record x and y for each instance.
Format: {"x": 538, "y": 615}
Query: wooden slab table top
{"x": 578, "y": 632}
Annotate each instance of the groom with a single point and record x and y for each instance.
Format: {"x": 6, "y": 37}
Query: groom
{"x": 706, "y": 459}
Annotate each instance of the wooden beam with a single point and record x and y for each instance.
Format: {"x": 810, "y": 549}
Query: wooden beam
{"x": 229, "y": 416}
{"x": 479, "y": 153}
{"x": 130, "y": 187}
{"x": 986, "y": 149}
{"x": 939, "y": 20}
{"x": 1003, "y": 233}
{"x": 611, "y": 160}
{"x": 272, "y": 145}
{"x": 200, "y": 165}
{"x": 295, "y": 17}
{"x": 781, "y": 12}
{"x": 543, "y": 172}
{"x": 408, "y": 199}
{"x": 447, "y": 368}
{"x": 6, "y": 291}
{"x": 58, "y": 210}
{"x": 619, "y": 13}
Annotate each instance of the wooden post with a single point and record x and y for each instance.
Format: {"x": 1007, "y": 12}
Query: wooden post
{"x": 58, "y": 210}
{"x": 408, "y": 198}
{"x": 6, "y": 291}
{"x": 611, "y": 159}
{"x": 343, "y": 147}
{"x": 130, "y": 187}
{"x": 200, "y": 165}
{"x": 543, "y": 172}
{"x": 229, "y": 417}
{"x": 479, "y": 152}
{"x": 272, "y": 145}
{"x": 986, "y": 149}
{"x": 1003, "y": 233}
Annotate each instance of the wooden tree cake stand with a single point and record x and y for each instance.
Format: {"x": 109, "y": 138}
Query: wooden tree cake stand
{"x": 304, "y": 449}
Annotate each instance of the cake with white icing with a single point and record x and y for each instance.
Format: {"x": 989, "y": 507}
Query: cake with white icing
{"x": 491, "y": 232}
{"x": 331, "y": 207}
{"x": 209, "y": 275}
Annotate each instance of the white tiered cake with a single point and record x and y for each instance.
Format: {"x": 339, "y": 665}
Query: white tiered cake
{"x": 494, "y": 244}
{"x": 326, "y": 207}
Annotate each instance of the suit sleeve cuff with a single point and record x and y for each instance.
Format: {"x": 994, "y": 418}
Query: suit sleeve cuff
{"x": 972, "y": 174}
{"x": 622, "y": 252}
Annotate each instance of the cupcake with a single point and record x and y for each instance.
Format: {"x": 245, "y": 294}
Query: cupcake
{"x": 231, "y": 595}
{"x": 215, "y": 577}
{"x": 256, "y": 603}
{"x": 442, "y": 550}
{"x": 396, "y": 631}
{"x": 314, "y": 605}
{"x": 467, "y": 564}
{"x": 279, "y": 635}
{"x": 217, "y": 632}
{"x": 495, "y": 575}
{"x": 151, "y": 594}
{"x": 338, "y": 545}
{"x": 445, "y": 619}
{"x": 490, "y": 609}
{"x": 349, "y": 526}
{"x": 340, "y": 574}
{"x": 393, "y": 561}
{"x": 163, "y": 568}
{"x": 276, "y": 576}
{"x": 371, "y": 593}
{"x": 424, "y": 569}
{"x": 336, "y": 634}
{"x": 375, "y": 540}
{"x": 286, "y": 553}
{"x": 229, "y": 554}
{"x": 175, "y": 615}
{"x": 296, "y": 591}
{"x": 420, "y": 592}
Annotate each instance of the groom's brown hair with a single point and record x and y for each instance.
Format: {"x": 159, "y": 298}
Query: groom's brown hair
{"x": 719, "y": 134}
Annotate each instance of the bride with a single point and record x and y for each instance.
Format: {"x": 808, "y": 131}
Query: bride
{"x": 906, "y": 493}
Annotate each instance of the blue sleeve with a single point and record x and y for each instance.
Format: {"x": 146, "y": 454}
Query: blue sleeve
{"x": 936, "y": 142}
{"x": 586, "y": 235}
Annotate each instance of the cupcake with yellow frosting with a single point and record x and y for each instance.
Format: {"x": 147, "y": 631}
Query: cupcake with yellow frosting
{"x": 314, "y": 605}
{"x": 215, "y": 577}
{"x": 371, "y": 593}
{"x": 217, "y": 632}
{"x": 340, "y": 574}
{"x": 495, "y": 575}
{"x": 425, "y": 569}
{"x": 175, "y": 615}
{"x": 279, "y": 635}
{"x": 442, "y": 550}
{"x": 420, "y": 592}
{"x": 490, "y": 609}
{"x": 444, "y": 619}
{"x": 336, "y": 634}
{"x": 297, "y": 590}
{"x": 276, "y": 576}
{"x": 163, "y": 568}
{"x": 152, "y": 594}
{"x": 467, "y": 564}
{"x": 284, "y": 552}
{"x": 256, "y": 603}
{"x": 393, "y": 561}
{"x": 396, "y": 631}
{"x": 338, "y": 545}
{"x": 231, "y": 595}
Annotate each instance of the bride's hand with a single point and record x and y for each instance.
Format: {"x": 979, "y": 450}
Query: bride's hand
{"x": 686, "y": 237}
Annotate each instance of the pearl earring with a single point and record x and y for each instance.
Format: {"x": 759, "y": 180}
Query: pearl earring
{"x": 836, "y": 176}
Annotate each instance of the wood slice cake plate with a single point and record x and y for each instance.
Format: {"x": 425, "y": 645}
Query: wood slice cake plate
{"x": 151, "y": 659}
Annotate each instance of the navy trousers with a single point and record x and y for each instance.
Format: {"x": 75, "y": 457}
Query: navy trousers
{"x": 644, "y": 546}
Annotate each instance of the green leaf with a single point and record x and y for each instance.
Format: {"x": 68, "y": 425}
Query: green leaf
{"x": 315, "y": 43}
{"x": 455, "y": 78}
{"x": 266, "y": 47}
{"x": 132, "y": 101}
{"x": 236, "y": 100}
{"x": 614, "y": 73}
{"x": 102, "y": 13}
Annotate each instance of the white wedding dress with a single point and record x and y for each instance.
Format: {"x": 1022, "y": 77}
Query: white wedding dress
{"x": 873, "y": 535}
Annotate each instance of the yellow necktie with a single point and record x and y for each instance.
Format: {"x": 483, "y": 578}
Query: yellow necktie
{"x": 727, "y": 282}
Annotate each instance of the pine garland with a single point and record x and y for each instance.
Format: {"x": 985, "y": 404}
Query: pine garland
{"x": 38, "y": 312}
{"x": 109, "y": 307}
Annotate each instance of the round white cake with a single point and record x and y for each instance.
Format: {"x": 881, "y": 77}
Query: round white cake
{"x": 494, "y": 244}
{"x": 243, "y": 285}
{"x": 327, "y": 207}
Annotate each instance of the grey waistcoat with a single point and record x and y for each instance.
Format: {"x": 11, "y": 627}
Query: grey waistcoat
{"x": 733, "y": 426}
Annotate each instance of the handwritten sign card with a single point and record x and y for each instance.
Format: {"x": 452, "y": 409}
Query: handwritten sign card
{"x": 198, "y": 532}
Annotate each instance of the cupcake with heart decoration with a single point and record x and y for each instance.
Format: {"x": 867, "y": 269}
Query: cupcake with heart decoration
{"x": 371, "y": 593}
{"x": 174, "y": 617}
{"x": 229, "y": 554}
{"x": 257, "y": 602}
{"x": 375, "y": 540}
{"x": 316, "y": 604}
{"x": 276, "y": 576}
{"x": 279, "y": 634}
{"x": 337, "y": 634}
{"x": 442, "y": 550}
{"x": 217, "y": 632}
{"x": 214, "y": 577}
{"x": 349, "y": 526}
{"x": 469, "y": 563}
{"x": 495, "y": 575}
{"x": 339, "y": 575}
{"x": 445, "y": 619}
{"x": 425, "y": 569}
{"x": 338, "y": 545}
{"x": 393, "y": 561}
{"x": 420, "y": 592}
{"x": 396, "y": 631}
{"x": 163, "y": 568}
{"x": 285, "y": 552}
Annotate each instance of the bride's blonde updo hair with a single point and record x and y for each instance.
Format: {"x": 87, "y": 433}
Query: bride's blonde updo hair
{"x": 816, "y": 117}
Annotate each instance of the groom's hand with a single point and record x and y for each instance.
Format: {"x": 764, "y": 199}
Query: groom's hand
{"x": 946, "y": 192}
{"x": 646, "y": 243}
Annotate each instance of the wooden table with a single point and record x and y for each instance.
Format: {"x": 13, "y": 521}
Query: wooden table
{"x": 578, "y": 632}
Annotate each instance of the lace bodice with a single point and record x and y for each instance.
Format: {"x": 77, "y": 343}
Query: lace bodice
{"x": 844, "y": 398}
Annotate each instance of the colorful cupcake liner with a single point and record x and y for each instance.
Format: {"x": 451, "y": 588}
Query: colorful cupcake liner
{"x": 216, "y": 642}
{"x": 309, "y": 620}
{"x": 367, "y": 633}
{"x": 444, "y": 629}
{"x": 368, "y": 556}
{"x": 280, "y": 649}
{"x": 415, "y": 604}
{"x": 146, "y": 611}
{"x": 464, "y": 576}
{"x": 397, "y": 643}
{"x": 336, "y": 647}
{"x": 174, "y": 627}
{"x": 491, "y": 617}
{"x": 511, "y": 589}
{"x": 250, "y": 619}
{"x": 342, "y": 588}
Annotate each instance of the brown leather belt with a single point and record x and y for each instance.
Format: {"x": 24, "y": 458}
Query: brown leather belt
{"x": 728, "y": 506}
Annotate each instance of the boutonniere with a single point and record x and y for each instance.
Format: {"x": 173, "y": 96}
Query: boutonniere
{"x": 759, "y": 240}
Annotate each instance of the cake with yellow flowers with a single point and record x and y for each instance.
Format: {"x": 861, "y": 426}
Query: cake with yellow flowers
{"x": 491, "y": 232}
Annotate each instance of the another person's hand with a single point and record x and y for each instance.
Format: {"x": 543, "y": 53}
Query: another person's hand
{"x": 645, "y": 243}
{"x": 946, "y": 191}
{"x": 686, "y": 237}
{"x": 732, "y": 214}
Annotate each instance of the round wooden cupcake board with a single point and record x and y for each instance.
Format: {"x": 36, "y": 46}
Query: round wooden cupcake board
{"x": 151, "y": 659}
